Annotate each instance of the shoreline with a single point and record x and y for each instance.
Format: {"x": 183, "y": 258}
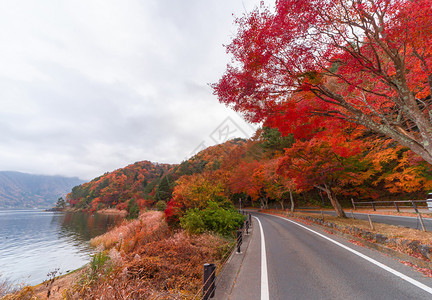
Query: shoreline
{"x": 106, "y": 211}
{"x": 113, "y": 212}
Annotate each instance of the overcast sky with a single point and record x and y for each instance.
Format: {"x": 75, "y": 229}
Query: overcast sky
{"x": 87, "y": 87}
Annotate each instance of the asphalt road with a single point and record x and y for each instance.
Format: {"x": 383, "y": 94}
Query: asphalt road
{"x": 301, "y": 264}
{"x": 412, "y": 222}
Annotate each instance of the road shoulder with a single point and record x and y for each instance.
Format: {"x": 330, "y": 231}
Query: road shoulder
{"x": 227, "y": 279}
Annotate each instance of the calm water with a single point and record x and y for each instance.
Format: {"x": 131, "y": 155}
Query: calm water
{"x": 34, "y": 243}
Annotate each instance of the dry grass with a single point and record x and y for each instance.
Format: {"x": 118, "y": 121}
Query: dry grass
{"x": 148, "y": 221}
{"x": 113, "y": 211}
{"x": 153, "y": 263}
{"x": 406, "y": 212}
{"x": 5, "y": 286}
{"x": 169, "y": 268}
{"x": 146, "y": 261}
{"x": 389, "y": 231}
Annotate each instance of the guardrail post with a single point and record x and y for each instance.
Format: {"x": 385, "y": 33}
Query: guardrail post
{"x": 239, "y": 240}
{"x": 373, "y": 206}
{"x": 209, "y": 281}
{"x": 250, "y": 219}
{"x": 397, "y": 207}
{"x": 370, "y": 223}
{"x": 421, "y": 221}
{"x": 353, "y": 204}
{"x": 415, "y": 206}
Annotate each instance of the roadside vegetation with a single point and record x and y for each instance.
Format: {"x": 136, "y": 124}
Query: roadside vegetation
{"x": 6, "y": 287}
{"x": 344, "y": 116}
{"x": 145, "y": 259}
{"x": 139, "y": 259}
{"x": 188, "y": 213}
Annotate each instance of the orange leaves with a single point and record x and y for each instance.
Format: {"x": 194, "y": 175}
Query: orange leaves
{"x": 241, "y": 180}
{"x": 117, "y": 187}
{"x": 196, "y": 191}
{"x": 319, "y": 162}
{"x": 409, "y": 174}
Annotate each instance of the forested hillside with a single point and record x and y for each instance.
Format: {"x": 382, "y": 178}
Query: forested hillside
{"x": 21, "y": 190}
{"x": 144, "y": 182}
{"x": 138, "y": 181}
{"x": 267, "y": 170}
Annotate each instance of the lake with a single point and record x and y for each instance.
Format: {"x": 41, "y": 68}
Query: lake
{"x": 34, "y": 243}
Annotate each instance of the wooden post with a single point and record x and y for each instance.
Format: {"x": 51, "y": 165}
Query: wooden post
{"x": 353, "y": 204}
{"x": 415, "y": 206}
{"x": 373, "y": 206}
{"x": 397, "y": 207}
{"x": 322, "y": 215}
{"x": 370, "y": 223}
{"x": 421, "y": 221}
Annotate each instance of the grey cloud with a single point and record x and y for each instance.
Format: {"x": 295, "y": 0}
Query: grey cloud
{"x": 86, "y": 89}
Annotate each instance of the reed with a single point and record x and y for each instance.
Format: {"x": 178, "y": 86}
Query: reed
{"x": 148, "y": 221}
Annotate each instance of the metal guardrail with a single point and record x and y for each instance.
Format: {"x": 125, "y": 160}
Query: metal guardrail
{"x": 395, "y": 203}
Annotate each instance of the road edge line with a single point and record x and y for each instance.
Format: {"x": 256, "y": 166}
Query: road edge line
{"x": 371, "y": 260}
{"x": 264, "y": 273}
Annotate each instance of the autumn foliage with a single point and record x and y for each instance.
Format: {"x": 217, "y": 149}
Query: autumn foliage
{"x": 320, "y": 63}
{"x": 117, "y": 188}
{"x": 144, "y": 259}
{"x": 343, "y": 90}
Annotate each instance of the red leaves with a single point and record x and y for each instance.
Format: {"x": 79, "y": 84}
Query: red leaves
{"x": 426, "y": 271}
{"x": 321, "y": 161}
{"x": 117, "y": 187}
{"x": 172, "y": 212}
{"x": 363, "y": 62}
{"x": 242, "y": 181}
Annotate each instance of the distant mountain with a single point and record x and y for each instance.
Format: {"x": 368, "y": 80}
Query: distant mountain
{"x": 21, "y": 190}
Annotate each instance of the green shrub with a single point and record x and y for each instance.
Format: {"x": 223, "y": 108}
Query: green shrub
{"x": 213, "y": 218}
{"x": 133, "y": 209}
{"x": 160, "y": 205}
{"x": 99, "y": 264}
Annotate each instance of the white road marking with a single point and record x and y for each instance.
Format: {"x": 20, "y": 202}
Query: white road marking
{"x": 377, "y": 263}
{"x": 264, "y": 274}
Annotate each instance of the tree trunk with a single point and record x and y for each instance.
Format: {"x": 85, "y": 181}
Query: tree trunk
{"x": 333, "y": 200}
{"x": 282, "y": 204}
{"x": 266, "y": 203}
{"x": 291, "y": 199}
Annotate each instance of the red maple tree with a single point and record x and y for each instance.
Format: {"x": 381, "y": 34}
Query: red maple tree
{"x": 361, "y": 61}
